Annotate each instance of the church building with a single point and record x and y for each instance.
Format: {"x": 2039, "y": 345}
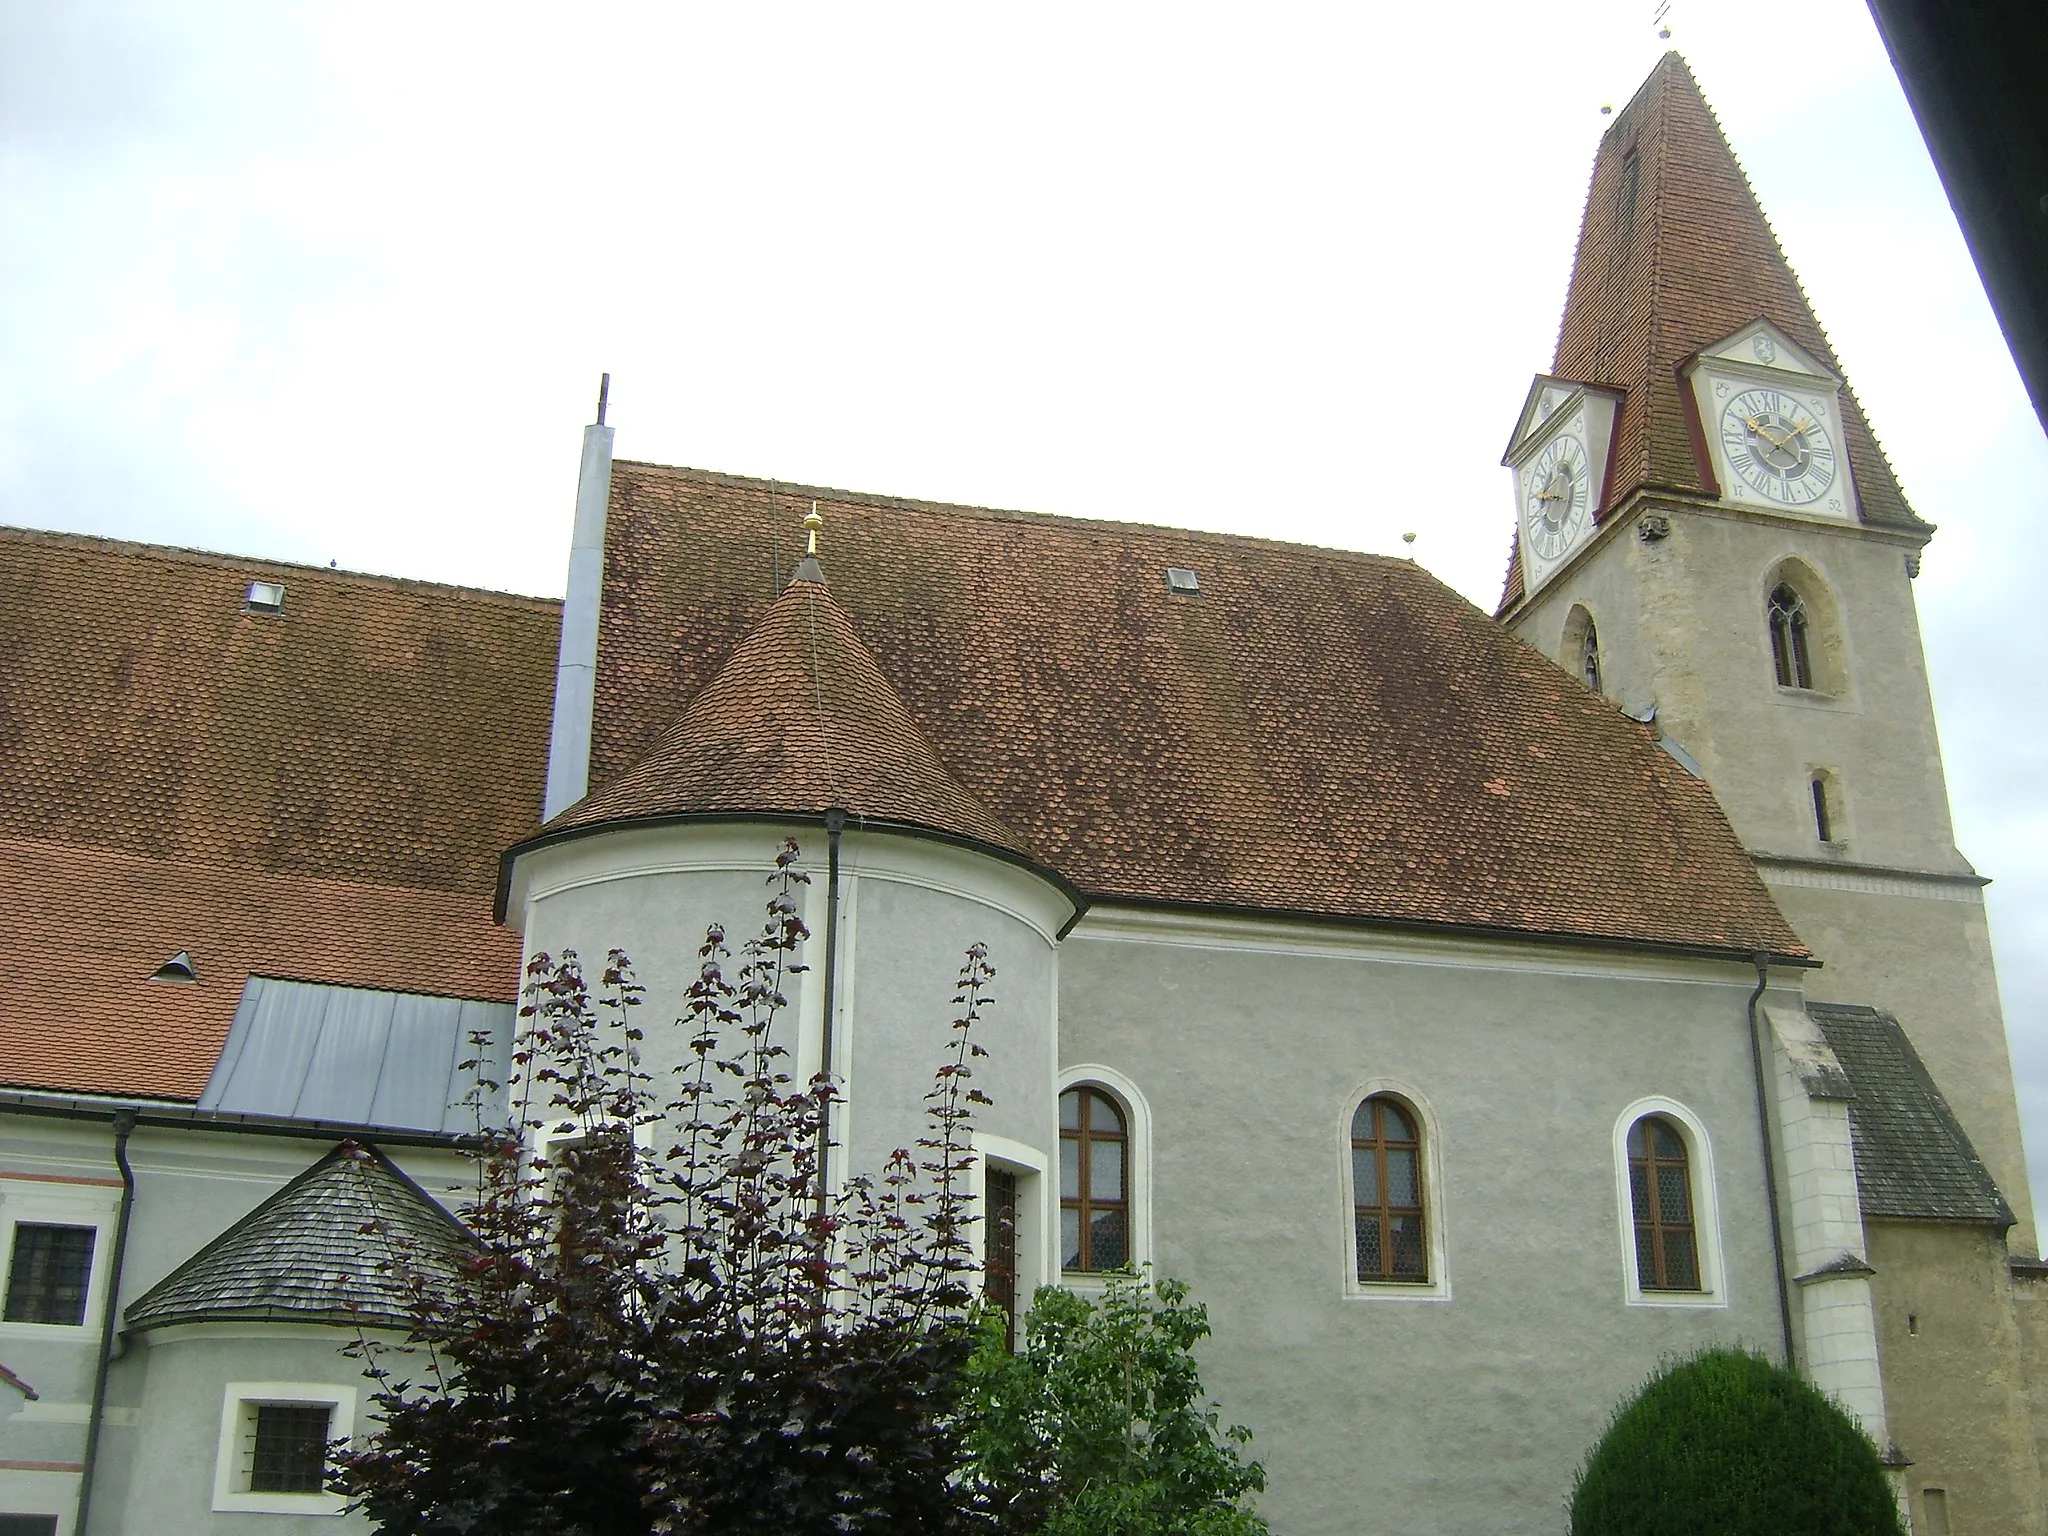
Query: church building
{"x": 1476, "y": 1010}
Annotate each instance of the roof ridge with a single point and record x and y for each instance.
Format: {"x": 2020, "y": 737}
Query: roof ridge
{"x": 1119, "y": 526}
{"x": 189, "y": 555}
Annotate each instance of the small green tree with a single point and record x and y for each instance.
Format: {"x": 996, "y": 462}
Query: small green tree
{"x": 1100, "y": 1427}
{"x": 1728, "y": 1444}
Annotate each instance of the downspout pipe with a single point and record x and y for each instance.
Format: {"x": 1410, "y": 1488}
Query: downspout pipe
{"x": 828, "y": 983}
{"x": 124, "y": 1127}
{"x": 1763, "y": 1125}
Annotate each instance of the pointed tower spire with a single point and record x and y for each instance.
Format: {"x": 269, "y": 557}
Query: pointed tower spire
{"x": 1674, "y": 255}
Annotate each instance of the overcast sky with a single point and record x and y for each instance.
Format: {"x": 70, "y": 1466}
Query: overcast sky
{"x": 336, "y": 282}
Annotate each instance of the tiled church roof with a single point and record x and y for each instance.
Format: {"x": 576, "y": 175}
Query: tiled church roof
{"x": 1675, "y": 254}
{"x": 320, "y": 794}
{"x": 799, "y": 720}
{"x": 343, "y": 1243}
{"x": 1912, "y": 1157}
{"x": 1316, "y": 733}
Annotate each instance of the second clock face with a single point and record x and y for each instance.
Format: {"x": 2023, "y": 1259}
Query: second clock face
{"x": 1557, "y": 493}
{"x": 1779, "y": 446}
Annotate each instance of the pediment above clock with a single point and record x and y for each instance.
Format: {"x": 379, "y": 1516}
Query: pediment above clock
{"x": 1548, "y": 399}
{"x": 1761, "y": 344}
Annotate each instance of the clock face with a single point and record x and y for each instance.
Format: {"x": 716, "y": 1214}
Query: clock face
{"x": 1778, "y": 445}
{"x": 1557, "y": 493}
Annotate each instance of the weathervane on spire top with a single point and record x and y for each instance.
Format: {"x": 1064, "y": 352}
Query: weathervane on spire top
{"x": 812, "y": 523}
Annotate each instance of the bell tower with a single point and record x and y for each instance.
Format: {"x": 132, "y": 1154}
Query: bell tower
{"x": 1708, "y": 532}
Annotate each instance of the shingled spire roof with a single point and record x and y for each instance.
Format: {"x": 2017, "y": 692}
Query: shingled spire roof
{"x": 337, "y": 1245}
{"x": 1674, "y": 255}
{"x": 799, "y": 721}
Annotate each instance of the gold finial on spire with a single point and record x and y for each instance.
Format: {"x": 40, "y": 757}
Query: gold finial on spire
{"x": 812, "y": 523}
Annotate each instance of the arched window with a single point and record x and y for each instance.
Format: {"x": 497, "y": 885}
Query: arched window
{"x": 1580, "y": 654}
{"x": 1660, "y": 1194}
{"x": 1095, "y": 1202}
{"x": 1790, "y": 647}
{"x": 1386, "y": 1193}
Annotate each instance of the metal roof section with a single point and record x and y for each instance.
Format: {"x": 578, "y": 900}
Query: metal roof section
{"x": 354, "y": 1056}
{"x": 1912, "y": 1158}
{"x": 337, "y": 1245}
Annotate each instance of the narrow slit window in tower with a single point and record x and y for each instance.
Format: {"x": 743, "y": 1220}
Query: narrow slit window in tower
{"x": 1823, "y": 820}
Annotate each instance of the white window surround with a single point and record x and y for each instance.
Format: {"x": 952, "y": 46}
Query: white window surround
{"x": 239, "y": 1401}
{"x": 1138, "y": 1167}
{"x": 1438, "y": 1286}
{"x": 59, "y": 1203}
{"x": 1706, "y": 1207}
{"x": 1037, "y": 1217}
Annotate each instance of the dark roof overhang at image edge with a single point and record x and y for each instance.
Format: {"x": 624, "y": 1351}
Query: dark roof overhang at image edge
{"x": 1977, "y": 78}
{"x": 1318, "y": 735}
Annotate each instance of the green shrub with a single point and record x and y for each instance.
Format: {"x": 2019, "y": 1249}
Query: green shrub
{"x": 1728, "y": 1444}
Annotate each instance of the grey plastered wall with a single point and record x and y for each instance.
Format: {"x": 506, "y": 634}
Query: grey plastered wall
{"x": 910, "y": 908}
{"x": 907, "y": 954}
{"x": 1465, "y": 1415}
{"x": 160, "y": 1478}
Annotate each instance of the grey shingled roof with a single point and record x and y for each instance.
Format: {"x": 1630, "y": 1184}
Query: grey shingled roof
{"x": 333, "y": 1246}
{"x": 1912, "y": 1158}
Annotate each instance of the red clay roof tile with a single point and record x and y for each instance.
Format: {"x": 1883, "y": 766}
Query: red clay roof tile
{"x": 799, "y": 720}
{"x": 320, "y": 794}
{"x": 1317, "y": 733}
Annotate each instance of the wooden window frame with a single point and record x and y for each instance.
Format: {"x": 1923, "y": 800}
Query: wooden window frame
{"x": 1082, "y": 1201}
{"x": 1380, "y": 1209}
{"x": 1653, "y": 1278}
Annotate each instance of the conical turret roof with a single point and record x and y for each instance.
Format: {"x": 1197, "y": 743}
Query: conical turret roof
{"x": 340, "y": 1244}
{"x": 1674, "y": 255}
{"x": 799, "y": 721}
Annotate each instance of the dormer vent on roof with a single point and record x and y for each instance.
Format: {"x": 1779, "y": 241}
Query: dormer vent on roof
{"x": 265, "y": 597}
{"x": 178, "y": 968}
{"x": 1182, "y": 581}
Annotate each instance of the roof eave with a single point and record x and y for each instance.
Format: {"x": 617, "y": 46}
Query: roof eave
{"x": 1073, "y": 895}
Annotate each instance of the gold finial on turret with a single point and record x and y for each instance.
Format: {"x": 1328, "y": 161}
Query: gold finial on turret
{"x": 812, "y": 523}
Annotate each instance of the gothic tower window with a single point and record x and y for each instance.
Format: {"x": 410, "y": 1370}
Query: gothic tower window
{"x": 1581, "y": 651}
{"x": 1790, "y": 642}
{"x": 1660, "y": 1192}
{"x": 1386, "y": 1192}
{"x": 1094, "y": 1183}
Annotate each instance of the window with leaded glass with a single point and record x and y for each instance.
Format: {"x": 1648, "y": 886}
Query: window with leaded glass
{"x": 48, "y": 1274}
{"x": 1660, "y": 1192}
{"x": 1386, "y": 1193}
{"x": 1095, "y": 1210}
{"x": 288, "y": 1447}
